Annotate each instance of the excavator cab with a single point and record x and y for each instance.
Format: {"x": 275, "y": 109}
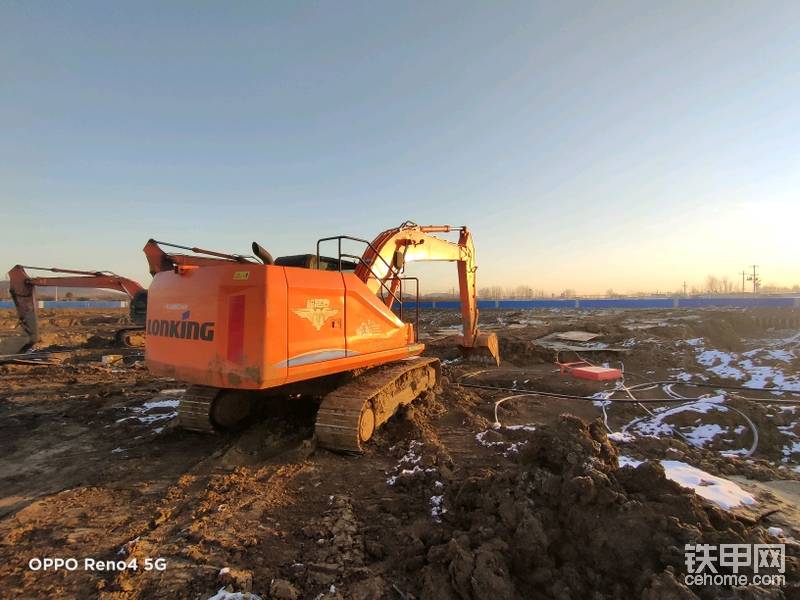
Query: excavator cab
{"x": 138, "y": 308}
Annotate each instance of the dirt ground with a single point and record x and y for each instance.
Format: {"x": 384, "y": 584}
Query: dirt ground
{"x": 561, "y": 498}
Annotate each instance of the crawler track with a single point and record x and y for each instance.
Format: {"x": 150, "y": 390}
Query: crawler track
{"x": 194, "y": 409}
{"x": 131, "y": 337}
{"x": 350, "y": 414}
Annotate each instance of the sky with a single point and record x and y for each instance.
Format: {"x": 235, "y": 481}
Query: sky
{"x": 591, "y": 146}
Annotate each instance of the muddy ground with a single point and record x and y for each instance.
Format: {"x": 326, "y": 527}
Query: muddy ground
{"x": 445, "y": 503}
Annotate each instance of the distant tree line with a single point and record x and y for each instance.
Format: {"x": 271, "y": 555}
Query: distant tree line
{"x": 723, "y": 285}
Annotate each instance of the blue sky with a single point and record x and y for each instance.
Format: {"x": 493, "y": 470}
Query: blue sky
{"x": 625, "y": 145}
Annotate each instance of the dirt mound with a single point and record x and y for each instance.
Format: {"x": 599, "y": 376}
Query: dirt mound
{"x": 566, "y": 522}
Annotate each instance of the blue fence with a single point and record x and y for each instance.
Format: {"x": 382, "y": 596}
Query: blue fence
{"x": 739, "y": 302}
{"x": 606, "y": 303}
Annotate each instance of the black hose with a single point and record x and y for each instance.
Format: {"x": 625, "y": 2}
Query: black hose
{"x": 718, "y": 386}
{"x": 522, "y": 391}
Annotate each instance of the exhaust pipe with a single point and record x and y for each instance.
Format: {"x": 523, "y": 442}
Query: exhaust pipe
{"x": 264, "y": 256}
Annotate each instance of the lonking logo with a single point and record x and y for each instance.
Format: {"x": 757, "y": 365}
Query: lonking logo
{"x": 182, "y": 330}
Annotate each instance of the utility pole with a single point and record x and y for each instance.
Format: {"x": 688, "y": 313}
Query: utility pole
{"x": 754, "y": 278}
{"x": 743, "y": 274}
{"x": 684, "y": 288}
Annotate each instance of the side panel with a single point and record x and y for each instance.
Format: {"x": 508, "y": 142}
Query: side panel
{"x": 315, "y": 316}
{"x": 370, "y": 325}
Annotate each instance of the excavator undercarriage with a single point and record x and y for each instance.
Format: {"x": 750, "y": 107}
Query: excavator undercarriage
{"x": 348, "y": 414}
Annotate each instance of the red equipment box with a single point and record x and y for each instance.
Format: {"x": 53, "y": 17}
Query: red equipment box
{"x": 583, "y": 370}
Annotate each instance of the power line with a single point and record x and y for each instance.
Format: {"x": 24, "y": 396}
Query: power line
{"x": 755, "y": 279}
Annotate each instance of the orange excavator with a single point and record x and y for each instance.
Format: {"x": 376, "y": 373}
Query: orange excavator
{"x": 307, "y": 324}
{"x": 23, "y": 292}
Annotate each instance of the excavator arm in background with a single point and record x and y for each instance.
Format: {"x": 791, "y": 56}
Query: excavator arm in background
{"x": 23, "y": 291}
{"x": 383, "y": 262}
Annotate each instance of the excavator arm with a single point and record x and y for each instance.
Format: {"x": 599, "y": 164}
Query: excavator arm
{"x": 383, "y": 262}
{"x": 23, "y": 290}
{"x": 159, "y": 260}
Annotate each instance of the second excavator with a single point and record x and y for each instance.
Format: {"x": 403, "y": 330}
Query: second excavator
{"x": 330, "y": 327}
{"x": 23, "y": 291}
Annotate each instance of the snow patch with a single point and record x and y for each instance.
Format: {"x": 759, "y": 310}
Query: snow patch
{"x": 627, "y": 461}
{"x": 507, "y": 447}
{"x": 520, "y": 427}
{"x": 721, "y": 492}
{"x": 224, "y": 594}
{"x": 719, "y": 363}
{"x": 700, "y": 436}
{"x": 410, "y": 459}
{"x": 437, "y": 507}
{"x": 793, "y": 448}
{"x": 140, "y": 412}
{"x": 656, "y": 426}
{"x": 160, "y": 404}
{"x": 742, "y": 366}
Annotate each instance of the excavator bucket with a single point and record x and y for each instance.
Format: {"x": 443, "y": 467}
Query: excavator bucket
{"x": 14, "y": 344}
{"x": 485, "y": 349}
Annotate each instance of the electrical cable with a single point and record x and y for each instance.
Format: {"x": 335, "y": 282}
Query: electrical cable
{"x": 632, "y": 400}
{"x": 720, "y": 386}
{"x": 497, "y": 405}
{"x": 668, "y": 389}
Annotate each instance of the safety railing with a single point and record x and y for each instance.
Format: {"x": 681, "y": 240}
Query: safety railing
{"x": 384, "y": 290}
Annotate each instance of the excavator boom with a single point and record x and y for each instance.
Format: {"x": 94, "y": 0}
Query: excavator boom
{"x": 383, "y": 262}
